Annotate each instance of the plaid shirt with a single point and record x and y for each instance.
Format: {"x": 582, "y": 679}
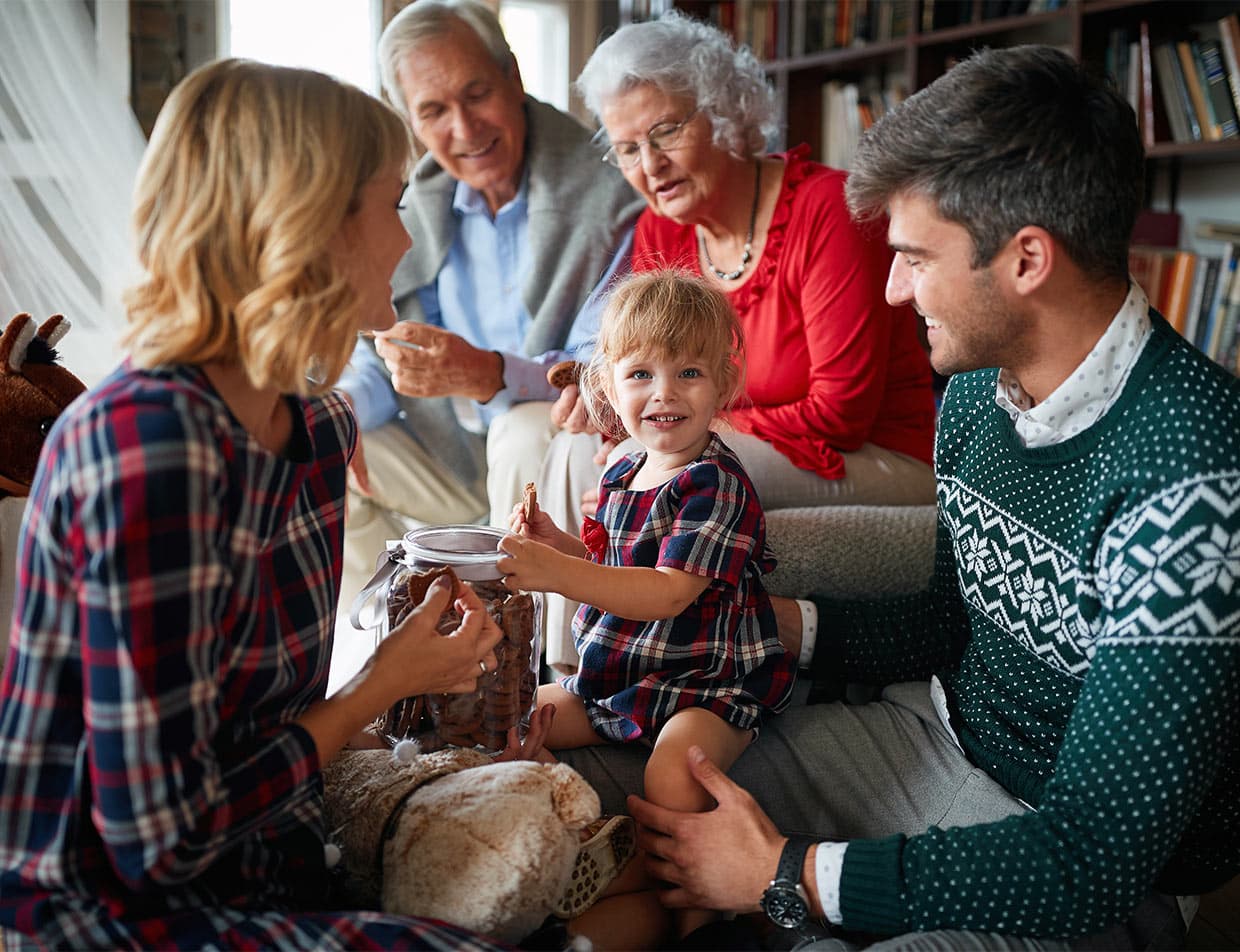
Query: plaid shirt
{"x": 721, "y": 653}
{"x": 174, "y": 615}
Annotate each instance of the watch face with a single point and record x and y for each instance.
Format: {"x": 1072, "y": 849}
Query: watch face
{"x": 784, "y": 906}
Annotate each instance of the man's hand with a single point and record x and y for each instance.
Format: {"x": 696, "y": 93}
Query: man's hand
{"x": 721, "y": 859}
{"x": 569, "y": 411}
{"x": 442, "y": 364}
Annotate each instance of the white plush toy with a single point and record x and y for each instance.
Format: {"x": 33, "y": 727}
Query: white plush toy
{"x": 453, "y": 836}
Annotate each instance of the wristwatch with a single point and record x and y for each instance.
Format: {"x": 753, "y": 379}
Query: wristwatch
{"x": 784, "y": 901}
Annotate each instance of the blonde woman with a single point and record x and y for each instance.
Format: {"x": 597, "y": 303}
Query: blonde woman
{"x": 163, "y": 715}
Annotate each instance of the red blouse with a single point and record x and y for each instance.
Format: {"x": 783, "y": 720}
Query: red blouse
{"x": 829, "y": 364}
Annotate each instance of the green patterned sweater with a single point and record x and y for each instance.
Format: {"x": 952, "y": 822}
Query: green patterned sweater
{"x": 1084, "y": 617}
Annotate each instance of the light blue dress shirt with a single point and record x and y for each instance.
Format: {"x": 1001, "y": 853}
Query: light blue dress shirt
{"x": 477, "y": 295}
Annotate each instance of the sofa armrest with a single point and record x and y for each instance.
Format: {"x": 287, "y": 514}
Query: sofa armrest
{"x": 851, "y": 551}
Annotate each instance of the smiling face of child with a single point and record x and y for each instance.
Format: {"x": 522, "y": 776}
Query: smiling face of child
{"x": 667, "y": 404}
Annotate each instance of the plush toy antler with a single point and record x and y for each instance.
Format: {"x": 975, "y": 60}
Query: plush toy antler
{"x": 34, "y": 388}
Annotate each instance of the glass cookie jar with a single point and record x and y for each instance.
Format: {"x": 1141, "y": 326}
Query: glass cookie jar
{"x": 505, "y": 696}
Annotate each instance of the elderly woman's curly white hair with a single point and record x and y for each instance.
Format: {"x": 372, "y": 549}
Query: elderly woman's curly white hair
{"x": 685, "y": 57}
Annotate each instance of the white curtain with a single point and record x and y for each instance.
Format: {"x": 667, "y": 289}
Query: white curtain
{"x": 69, "y": 150}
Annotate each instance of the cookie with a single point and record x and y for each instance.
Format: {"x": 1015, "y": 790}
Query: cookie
{"x": 529, "y": 501}
{"x": 562, "y": 374}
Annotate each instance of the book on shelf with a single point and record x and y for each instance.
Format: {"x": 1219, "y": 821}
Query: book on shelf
{"x": 1201, "y": 273}
{"x": 1209, "y": 56}
{"x": 1203, "y": 297}
{"x": 1179, "y": 286}
{"x": 1229, "y": 43}
{"x": 1175, "y": 99}
{"x": 1229, "y": 349}
{"x": 1218, "y": 230}
{"x": 1206, "y": 129}
{"x": 1149, "y": 266}
{"x": 1151, "y": 131}
{"x": 1212, "y": 317}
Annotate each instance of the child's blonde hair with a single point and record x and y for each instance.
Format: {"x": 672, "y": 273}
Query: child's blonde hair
{"x": 250, "y": 172}
{"x": 663, "y": 314}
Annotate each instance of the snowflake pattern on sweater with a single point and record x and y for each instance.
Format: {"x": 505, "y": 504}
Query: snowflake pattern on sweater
{"x": 1084, "y": 618}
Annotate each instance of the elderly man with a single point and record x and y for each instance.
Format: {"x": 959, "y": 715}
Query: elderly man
{"x": 517, "y": 226}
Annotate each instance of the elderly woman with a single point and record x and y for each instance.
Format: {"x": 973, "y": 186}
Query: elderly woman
{"x": 840, "y": 406}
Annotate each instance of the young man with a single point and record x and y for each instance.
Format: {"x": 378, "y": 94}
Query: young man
{"x": 516, "y": 225}
{"x": 1056, "y": 753}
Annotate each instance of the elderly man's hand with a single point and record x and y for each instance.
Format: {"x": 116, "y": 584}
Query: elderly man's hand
{"x": 720, "y": 859}
{"x": 440, "y": 364}
{"x": 569, "y": 411}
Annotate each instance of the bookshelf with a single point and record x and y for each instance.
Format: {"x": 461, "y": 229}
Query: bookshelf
{"x": 891, "y": 48}
{"x": 837, "y": 65}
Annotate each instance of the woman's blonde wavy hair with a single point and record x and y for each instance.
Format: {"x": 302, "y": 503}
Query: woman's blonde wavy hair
{"x": 250, "y": 171}
{"x": 663, "y": 314}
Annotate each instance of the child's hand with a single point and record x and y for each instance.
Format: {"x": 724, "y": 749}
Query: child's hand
{"x": 537, "y": 525}
{"x": 528, "y": 565}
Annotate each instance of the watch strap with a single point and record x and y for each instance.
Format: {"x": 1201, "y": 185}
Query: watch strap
{"x": 792, "y": 859}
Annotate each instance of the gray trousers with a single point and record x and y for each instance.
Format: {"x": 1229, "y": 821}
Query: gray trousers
{"x": 814, "y": 769}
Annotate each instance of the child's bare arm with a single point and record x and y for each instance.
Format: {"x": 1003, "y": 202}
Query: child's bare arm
{"x": 641, "y": 594}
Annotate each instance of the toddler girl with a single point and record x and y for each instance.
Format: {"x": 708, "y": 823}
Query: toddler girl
{"x": 676, "y": 635}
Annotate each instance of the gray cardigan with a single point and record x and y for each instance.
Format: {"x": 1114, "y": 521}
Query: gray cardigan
{"x": 580, "y": 211}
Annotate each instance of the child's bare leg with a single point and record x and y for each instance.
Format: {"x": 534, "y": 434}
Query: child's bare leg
{"x": 571, "y": 727}
{"x": 628, "y": 915}
{"x": 669, "y": 783}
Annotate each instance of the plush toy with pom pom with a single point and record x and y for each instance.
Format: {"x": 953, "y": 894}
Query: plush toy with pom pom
{"x": 453, "y": 835}
{"x": 34, "y": 388}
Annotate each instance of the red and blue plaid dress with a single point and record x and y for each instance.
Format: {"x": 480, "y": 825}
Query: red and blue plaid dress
{"x": 174, "y": 616}
{"x": 722, "y": 653}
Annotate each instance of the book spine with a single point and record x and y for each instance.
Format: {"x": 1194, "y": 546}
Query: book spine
{"x": 1229, "y": 40}
{"x": 1218, "y": 305}
{"x": 1179, "y": 289}
{"x": 1223, "y": 308}
{"x": 1214, "y": 267}
{"x": 1218, "y": 90}
{"x": 1147, "y": 85}
{"x": 1174, "y": 95}
{"x": 1197, "y": 98}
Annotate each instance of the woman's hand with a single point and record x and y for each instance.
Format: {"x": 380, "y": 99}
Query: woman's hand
{"x": 413, "y": 659}
{"x": 416, "y": 659}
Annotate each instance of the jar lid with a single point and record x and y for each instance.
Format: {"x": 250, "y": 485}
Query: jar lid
{"x": 470, "y": 550}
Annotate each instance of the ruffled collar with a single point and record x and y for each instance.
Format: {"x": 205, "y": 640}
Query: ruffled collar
{"x": 797, "y": 169}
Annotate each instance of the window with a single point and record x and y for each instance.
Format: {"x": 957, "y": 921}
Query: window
{"x": 537, "y": 32}
{"x": 333, "y": 36}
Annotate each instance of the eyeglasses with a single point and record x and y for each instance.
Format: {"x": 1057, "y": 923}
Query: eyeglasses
{"x": 661, "y": 138}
